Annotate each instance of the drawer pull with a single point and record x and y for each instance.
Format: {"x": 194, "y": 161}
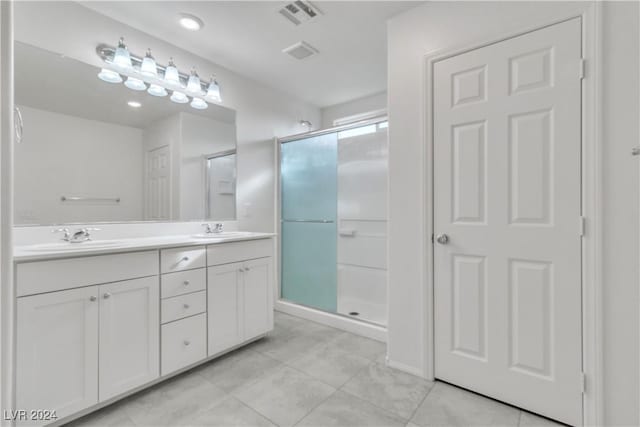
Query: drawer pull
{"x": 187, "y": 342}
{"x": 186, "y": 283}
{"x": 106, "y": 295}
{"x": 185, "y": 258}
{"x": 186, "y": 306}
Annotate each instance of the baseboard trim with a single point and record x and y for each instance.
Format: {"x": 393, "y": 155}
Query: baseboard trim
{"x": 368, "y": 330}
{"x": 405, "y": 368}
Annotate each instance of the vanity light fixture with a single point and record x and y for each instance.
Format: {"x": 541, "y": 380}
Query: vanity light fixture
{"x": 213, "y": 91}
{"x": 135, "y": 84}
{"x": 134, "y": 104}
{"x": 156, "y": 90}
{"x": 171, "y": 74}
{"x": 193, "y": 85}
{"x": 190, "y": 22}
{"x": 109, "y": 76}
{"x": 148, "y": 67}
{"x": 199, "y": 104}
{"x": 179, "y": 97}
{"x": 144, "y": 73}
{"x": 122, "y": 58}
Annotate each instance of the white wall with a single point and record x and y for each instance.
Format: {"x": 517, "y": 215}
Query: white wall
{"x": 262, "y": 112}
{"x": 367, "y": 104}
{"x": 436, "y": 26}
{"x": 63, "y": 155}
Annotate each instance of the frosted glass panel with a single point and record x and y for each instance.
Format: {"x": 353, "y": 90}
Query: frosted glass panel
{"x": 309, "y": 269}
{"x": 309, "y": 178}
{"x": 309, "y": 210}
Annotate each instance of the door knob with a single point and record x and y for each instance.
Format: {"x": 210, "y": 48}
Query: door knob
{"x": 443, "y": 239}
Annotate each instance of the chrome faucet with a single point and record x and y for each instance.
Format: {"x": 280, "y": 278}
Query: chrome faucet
{"x": 79, "y": 236}
{"x": 217, "y": 228}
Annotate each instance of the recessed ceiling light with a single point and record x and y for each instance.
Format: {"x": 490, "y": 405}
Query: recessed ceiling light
{"x": 190, "y": 22}
{"x": 134, "y": 104}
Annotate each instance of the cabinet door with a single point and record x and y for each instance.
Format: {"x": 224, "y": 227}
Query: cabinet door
{"x": 257, "y": 297}
{"x": 224, "y": 307}
{"x": 57, "y": 351}
{"x": 129, "y": 335}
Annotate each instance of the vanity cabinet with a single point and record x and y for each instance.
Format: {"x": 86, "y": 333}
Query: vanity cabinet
{"x": 184, "y": 307}
{"x": 57, "y": 351}
{"x": 240, "y": 293}
{"x": 92, "y": 328}
{"x": 87, "y": 335}
{"x": 78, "y": 347}
{"x": 129, "y": 336}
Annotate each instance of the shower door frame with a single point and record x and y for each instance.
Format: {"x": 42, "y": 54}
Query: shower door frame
{"x": 360, "y": 327}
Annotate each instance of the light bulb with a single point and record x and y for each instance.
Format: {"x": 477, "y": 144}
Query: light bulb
{"x": 193, "y": 85}
{"x": 213, "y": 91}
{"x": 171, "y": 73}
{"x": 135, "y": 84}
{"x": 156, "y": 90}
{"x": 148, "y": 67}
{"x": 179, "y": 97}
{"x": 121, "y": 58}
{"x": 109, "y": 76}
{"x": 199, "y": 104}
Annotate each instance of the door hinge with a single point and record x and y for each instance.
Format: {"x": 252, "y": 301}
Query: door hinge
{"x": 582, "y": 68}
{"x": 582, "y": 225}
{"x": 583, "y": 382}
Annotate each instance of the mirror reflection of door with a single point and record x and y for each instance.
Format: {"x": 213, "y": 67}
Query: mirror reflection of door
{"x": 157, "y": 184}
{"x": 221, "y": 185}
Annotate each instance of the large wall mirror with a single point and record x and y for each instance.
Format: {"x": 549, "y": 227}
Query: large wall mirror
{"x": 98, "y": 152}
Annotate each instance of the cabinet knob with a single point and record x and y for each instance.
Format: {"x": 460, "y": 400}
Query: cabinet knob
{"x": 246, "y": 269}
{"x": 106, "y": 295}
{"x": 185, "y": 258}
{"x": 93, "y": 298}
{"x": 187, "y": 342}
{"x": 186, "y": 306}
{"x": 186, "y": 283}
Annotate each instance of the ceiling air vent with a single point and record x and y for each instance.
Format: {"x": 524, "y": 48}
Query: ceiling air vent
{"x": 300, "y": 50}
{"x": 300, "y": 11}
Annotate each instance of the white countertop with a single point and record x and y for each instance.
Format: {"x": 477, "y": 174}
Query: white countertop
{"x": 37, "y": 253}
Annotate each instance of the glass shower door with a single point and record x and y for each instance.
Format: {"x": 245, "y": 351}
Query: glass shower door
{"x": 309, "y": 214}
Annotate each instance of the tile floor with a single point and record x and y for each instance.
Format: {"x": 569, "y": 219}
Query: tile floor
{"x": 307, "y": 374}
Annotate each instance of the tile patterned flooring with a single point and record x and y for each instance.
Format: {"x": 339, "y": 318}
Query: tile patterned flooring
{"x": 307, "y": 374}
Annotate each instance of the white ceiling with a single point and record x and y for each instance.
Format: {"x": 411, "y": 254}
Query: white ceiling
{"x": 248, "y": 37}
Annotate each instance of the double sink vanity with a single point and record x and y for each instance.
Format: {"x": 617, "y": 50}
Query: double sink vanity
{"x": 100, "y": 319}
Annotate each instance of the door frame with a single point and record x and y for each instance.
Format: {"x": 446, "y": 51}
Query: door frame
{"x": 591, "y": 198}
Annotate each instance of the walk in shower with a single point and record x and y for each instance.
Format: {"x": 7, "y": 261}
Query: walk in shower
{"x": 333, "y": 220}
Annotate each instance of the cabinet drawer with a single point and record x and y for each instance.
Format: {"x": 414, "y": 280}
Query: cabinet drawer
{"x": 225, "y": 253}
{"x": 47, "y": 276}
{"x": 183, "y": 282}
{"x": 179, "y": 259}
{"x": 183, "y": 306}
{"x": 183, "y": 343}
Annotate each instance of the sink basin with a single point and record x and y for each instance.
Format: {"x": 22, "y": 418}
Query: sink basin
{"x": 66, "y": 246}
{"x": 223, "y": 235}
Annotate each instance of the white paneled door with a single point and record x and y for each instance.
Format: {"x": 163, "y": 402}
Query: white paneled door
{"x": 507, "y": 139}
{"x": 158, "y": 184}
